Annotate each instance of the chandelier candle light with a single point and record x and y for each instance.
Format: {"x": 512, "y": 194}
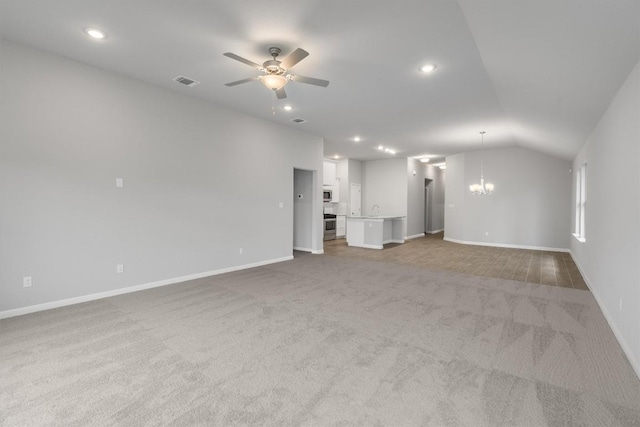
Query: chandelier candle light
{"x": 482, "y": 188}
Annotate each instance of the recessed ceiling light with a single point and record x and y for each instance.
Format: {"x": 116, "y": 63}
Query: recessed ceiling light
{"x": 424, "y": 160}
{"x": 336, "y": 157}
{"x": 287, "y": 108}
{"x": 380, "y": 147}
{"x": 95, "y": 33}
{"x": 392, "y": 151}
{"x": 427, "y": 68}
{"x": 356, "y": 138}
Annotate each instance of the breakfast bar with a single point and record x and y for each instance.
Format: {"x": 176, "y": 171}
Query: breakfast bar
{"x": 373, "y": 232}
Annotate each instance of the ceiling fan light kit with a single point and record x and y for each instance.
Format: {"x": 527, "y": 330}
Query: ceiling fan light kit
{"x": 276, "y": 74}
{"x": 274, "y": 81}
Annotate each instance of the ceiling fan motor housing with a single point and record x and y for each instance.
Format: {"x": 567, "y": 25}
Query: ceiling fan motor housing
{"x": 273, "y": 67}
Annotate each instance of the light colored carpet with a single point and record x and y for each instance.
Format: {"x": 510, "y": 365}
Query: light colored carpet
{"x": 433, "y": 252}
{"x": 321, "y": 340}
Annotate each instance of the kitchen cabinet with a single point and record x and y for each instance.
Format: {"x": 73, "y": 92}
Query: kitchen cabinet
{"x": 328, "y": 173}
{"x": 335, "y": 192}
{"x": 341, "y": 226}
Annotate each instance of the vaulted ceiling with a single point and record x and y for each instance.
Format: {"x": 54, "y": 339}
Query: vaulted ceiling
{"x": 537, "y": 74}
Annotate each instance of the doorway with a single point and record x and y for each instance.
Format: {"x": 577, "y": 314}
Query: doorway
{"x": 428, "y": 203}
{"x": 303, "y": 203}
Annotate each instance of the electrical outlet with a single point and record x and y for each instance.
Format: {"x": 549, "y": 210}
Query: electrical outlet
{"x": 26, "y": 282}
{"x": 486, "y": 233}
{"x": 240, "y": 251}
{"x": 119, "y": 182}
{"x": 120, "y": 268}
{"x": 620, "y": 304}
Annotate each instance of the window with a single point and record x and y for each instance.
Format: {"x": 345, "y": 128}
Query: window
{"x": 581, "y": 203}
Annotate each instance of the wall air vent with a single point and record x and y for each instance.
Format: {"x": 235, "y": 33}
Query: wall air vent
{"x": 186, "y": 81}
{"x": 298, "y": 121}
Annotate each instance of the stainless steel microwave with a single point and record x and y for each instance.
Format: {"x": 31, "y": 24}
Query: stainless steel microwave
{"x": 326, "y": 195}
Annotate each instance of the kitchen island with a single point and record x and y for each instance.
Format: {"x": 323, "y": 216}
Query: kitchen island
{"x": 373, "y": 232}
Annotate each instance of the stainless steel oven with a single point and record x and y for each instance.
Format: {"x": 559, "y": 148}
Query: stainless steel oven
{"x": 327, "y": 195}
{"x": 330, "y": 223}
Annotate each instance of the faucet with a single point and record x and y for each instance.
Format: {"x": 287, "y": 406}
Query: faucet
{"x": 375, "y": 208}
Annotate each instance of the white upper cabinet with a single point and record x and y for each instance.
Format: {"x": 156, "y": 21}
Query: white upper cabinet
{"x": 329, "y": 173}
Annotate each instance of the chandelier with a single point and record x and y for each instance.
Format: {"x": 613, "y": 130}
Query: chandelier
{"x": 482, "y": 188}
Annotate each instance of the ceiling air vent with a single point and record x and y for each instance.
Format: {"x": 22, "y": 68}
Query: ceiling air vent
{"x": 186, "y": 81}
{"x": 298, "y": 121}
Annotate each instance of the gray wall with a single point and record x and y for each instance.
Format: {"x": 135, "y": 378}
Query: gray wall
{"x": 201, "y": 182}
{"x": 384, "y": 183}
{"x": 530, "y": 204}
{"x": 355, "y": 171}
{"x": 609, "y": 257}
{"x": 303, "y": 209}
{"x": 455, "y": 195}
{"x": 342, "y": 173}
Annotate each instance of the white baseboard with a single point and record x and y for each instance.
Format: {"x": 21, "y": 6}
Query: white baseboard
{"x": 367, "y": 246}
{"x": 415, "y": 236}
{"x": 313, "y": 251}
{"x": 393, "y": 241}
{"x": 635, "y": 363}
{"x": 92, "y": 297}
{"x": 435, "y": 231}
{"x": 506, "y": 245}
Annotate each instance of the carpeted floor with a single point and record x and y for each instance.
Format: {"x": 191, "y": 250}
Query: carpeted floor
{"x": 321, "y": 340}
{"x": 431, "y": 251}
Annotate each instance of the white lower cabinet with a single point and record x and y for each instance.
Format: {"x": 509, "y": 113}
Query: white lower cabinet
{"x": 341, "y": 226}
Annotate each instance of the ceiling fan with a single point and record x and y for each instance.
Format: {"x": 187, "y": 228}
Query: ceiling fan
{"x": 276, "y": 73}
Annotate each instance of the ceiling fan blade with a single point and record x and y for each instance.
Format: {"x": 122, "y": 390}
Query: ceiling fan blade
{"x": 239, "y": 82}
{"x": 280, "y": 93}
{"x": 295, "y": 57}
{"x": 243, "y": 60}
{"x": 310, "y": 80}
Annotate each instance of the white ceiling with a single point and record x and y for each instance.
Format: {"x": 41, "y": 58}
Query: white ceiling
{"x": 537, "y": 74}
